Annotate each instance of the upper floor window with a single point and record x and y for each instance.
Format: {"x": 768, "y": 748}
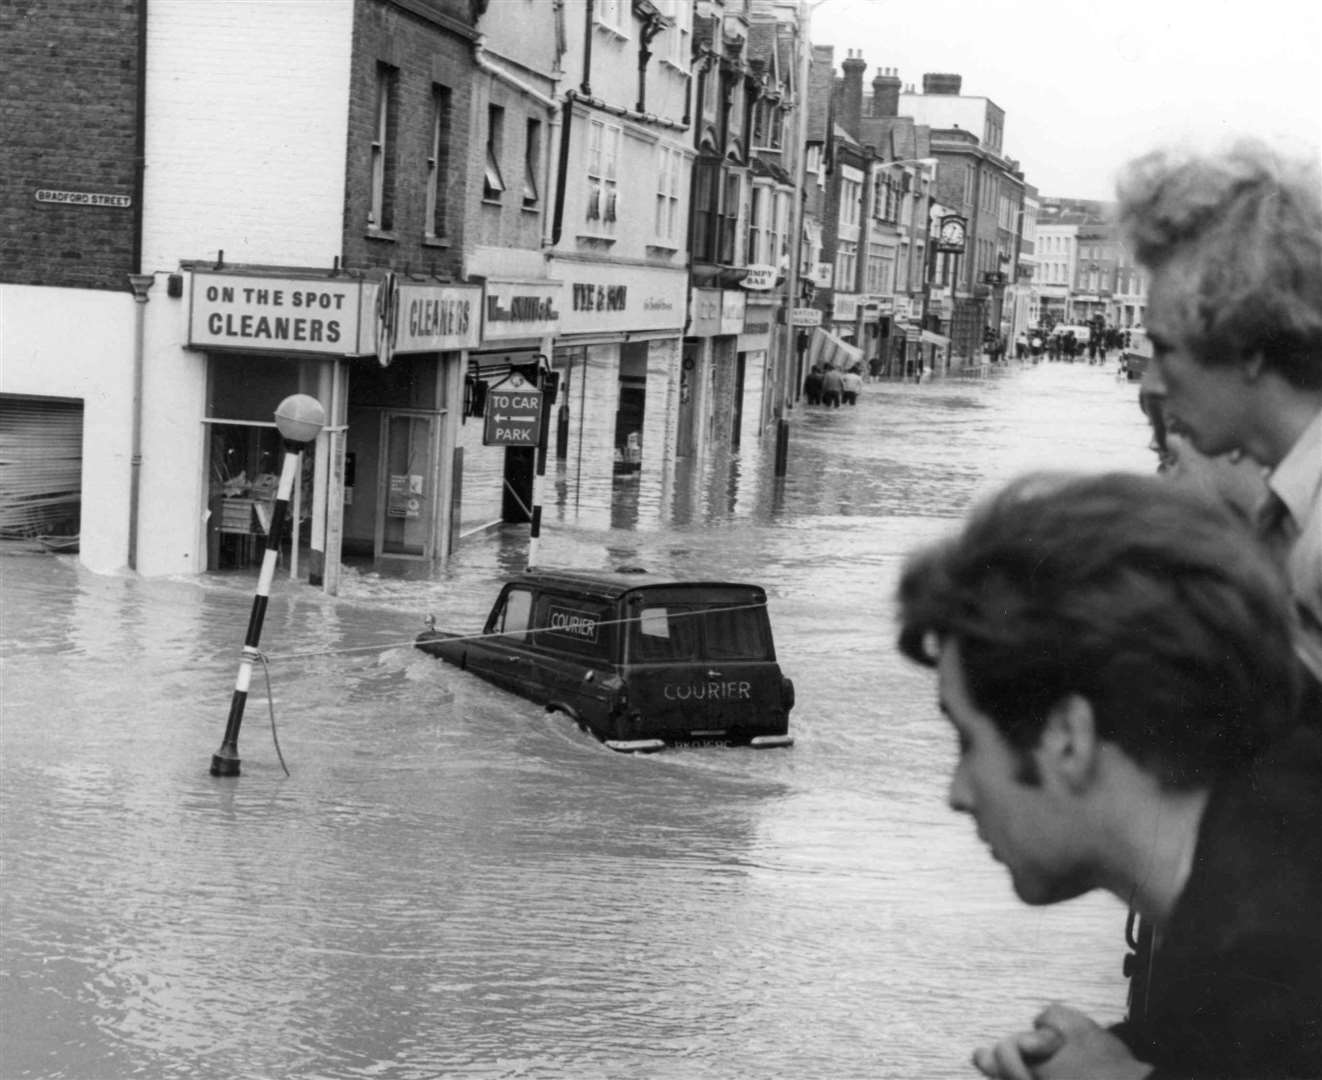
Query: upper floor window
{"x": 532, "y": 162}
{"x": 757, "y": 223}
{"x": 603, "y": 157}
{"x": 381, "y": 209}
{"x": 438, "y": 162}
{"x": 614, "y": 15}
{"x": 676, "y": 47}
{"x": 667, "y": 196}
{"x": 493, "y": 181}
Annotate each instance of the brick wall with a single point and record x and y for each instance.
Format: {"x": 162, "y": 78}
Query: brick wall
{"x": 425, "y": 54}
{"x": 68, "y": 88}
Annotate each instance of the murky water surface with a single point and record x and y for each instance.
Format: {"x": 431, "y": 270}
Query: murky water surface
{"x": 450, "y": 884}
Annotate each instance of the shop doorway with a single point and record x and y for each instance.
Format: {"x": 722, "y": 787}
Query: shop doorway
{"x": 632, "y": 409}
{"x": 688, "y": 385}
{"x": 406, "y": 485}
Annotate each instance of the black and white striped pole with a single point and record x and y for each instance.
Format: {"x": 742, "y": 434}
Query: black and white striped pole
{"x": 299, "y": 418}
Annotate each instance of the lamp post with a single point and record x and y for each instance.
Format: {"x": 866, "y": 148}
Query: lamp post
{"x": 299, "y": 418}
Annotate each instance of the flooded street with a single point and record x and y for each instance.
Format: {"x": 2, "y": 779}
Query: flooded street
{"x": 451, "y": 884}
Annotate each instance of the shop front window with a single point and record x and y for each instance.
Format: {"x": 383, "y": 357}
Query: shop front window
{"x": 245, "y": 455}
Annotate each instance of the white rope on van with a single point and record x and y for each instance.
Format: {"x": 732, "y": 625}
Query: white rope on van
{"x": 380, "y": 646}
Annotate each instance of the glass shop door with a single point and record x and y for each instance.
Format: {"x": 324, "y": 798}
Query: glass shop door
{"x": 407, "y": 486}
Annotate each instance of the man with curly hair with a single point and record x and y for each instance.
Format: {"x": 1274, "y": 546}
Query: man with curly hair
{"x": 1113, "y": 653}
{"x": 1233, "y": 243}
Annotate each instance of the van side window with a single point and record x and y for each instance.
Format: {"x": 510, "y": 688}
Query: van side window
{"x": 514, "y": 615}
{"x": 573, "y": 625}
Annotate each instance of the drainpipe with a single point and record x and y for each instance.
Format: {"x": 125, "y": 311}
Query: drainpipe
{"x": 141, "y": 283}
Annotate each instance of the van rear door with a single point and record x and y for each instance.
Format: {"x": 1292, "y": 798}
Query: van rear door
{"x": 700, "y": 664}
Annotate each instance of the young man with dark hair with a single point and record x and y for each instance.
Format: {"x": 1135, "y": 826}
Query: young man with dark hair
{"x": 1114, "y": 654}
{"x": 1233, "y": 242}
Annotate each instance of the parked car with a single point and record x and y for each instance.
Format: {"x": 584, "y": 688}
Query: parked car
{"x": 640, "y": 663}
{"x": 1136, "y": 354}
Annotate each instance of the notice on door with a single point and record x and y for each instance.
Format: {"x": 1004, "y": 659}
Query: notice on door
{"x": 405, "y": 499}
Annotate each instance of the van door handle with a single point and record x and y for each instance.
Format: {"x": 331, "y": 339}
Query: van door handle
{"x": 712, "y": 673}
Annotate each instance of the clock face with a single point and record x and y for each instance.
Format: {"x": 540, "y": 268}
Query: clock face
{"x": 952, "y": 232}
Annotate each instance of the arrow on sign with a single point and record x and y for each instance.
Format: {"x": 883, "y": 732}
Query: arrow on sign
{"x": 512, "y": 416}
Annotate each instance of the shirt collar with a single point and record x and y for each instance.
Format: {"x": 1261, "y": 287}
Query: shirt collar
{"x": 1297, "y": 480}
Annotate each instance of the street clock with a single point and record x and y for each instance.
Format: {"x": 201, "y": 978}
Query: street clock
{"x": 952, "y": 234}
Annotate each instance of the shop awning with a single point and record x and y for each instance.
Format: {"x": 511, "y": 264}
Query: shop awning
{"x": 830, "y": 351}
{"x": 930, "y": 338}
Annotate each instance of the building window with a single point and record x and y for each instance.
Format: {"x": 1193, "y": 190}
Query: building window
{"x": 677, "y": 51}
{"x": 667, "y": 196}
{"x": 532, "y": 162}
{"x": 730, "y": 218}
{"x": 757, "y": 229}
{"x": 846, "y": 265}
{"x": 612, "y": 14}
{"x": 381, "y": 213}
{"x": 780, "y": 230}
{"x": 880, "y": 269}
{"x": 493, "y": 180}
{"x": 603, "y": 155}
{"x": 438, "y": 162}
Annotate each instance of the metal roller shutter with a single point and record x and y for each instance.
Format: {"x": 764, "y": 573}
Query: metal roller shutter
{"x": 41, "y": 466}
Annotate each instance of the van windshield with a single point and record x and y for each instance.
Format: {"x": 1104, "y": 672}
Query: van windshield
{"x": 675, "y": 633}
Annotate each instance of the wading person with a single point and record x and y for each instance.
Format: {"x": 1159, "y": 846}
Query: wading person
{"x": 1233, "y": 242}
{"x": 1114, "y": 655}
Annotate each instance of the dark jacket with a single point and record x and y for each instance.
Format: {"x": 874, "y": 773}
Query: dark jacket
{"x": 1236, "y": 979}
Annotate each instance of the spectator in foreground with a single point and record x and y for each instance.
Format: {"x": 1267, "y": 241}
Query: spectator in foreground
{"x": 1233, "y": 242}
{"x": 1114, "y": 655}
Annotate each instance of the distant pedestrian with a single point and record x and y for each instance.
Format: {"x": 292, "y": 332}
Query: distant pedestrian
{"x": 852, "y": 385}
{"x": 833, "y": 385}
{"x": 812, "y": 386}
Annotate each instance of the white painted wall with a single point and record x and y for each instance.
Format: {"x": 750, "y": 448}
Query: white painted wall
{"x": 247, "y": 115}
{"x": 247, "y": 121}
{"x": 78, "y": 343}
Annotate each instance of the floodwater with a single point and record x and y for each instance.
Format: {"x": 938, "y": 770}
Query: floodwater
{"x": 451, "y": 884}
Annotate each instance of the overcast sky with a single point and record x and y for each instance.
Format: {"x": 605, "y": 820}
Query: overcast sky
{"x": 1087, "y": 86}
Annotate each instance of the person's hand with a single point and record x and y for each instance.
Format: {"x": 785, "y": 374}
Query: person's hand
{"x": 1063, "y": 1045}
{"x": 1014, "y": 1057}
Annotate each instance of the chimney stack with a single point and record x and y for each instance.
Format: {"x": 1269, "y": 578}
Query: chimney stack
{"x": 942, "y": 83}
{"x": 851, "y": 99}
{"x": 886, "y": 93}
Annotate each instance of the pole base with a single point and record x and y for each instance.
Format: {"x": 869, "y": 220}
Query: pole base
{"x": 225, "y": 763}
{"x": 782, "y": 445}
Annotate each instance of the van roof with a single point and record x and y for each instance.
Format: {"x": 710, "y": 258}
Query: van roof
{"x": 611, "y": 585}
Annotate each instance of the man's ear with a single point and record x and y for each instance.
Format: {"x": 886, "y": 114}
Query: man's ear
{"x": 1068, "y": 749}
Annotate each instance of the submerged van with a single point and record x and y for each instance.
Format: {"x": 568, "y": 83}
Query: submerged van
{"x": 639, "y": 663}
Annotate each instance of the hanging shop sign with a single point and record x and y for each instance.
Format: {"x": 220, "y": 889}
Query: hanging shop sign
{"x": 716, "y": 312}
{"x": 619, "y": 299}
{"x": 513, "y": 414}
{"x": 823, "y": 274}
{"x": 806, "y": 316}
{"x": 276, "y": 314}
{"x": 521, "y": 309}
{"x": 759, "y": 278}
{"x": 756, "y": 333}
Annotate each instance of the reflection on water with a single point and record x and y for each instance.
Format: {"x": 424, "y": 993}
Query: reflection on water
{"x": 453, "y": 884}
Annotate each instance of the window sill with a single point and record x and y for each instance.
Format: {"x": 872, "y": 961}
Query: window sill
{"x": 595, "y": 238}
{"x": 663, "y": 247}
{"x": 380, "y": 234}
{"x": 616, "y": 33}
{"x": 531, "y": 208}
{"x": 435, "y": 241}
{"x": 492, "y": 202}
